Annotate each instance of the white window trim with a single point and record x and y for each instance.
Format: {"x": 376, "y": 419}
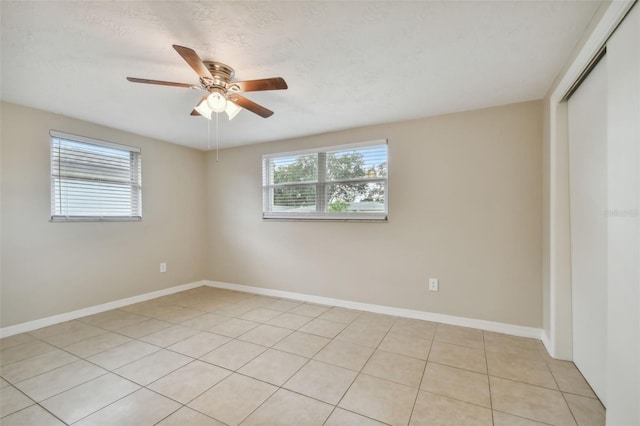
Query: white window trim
{"x": 326, "y": 216}
{"x": 77, "y": 138}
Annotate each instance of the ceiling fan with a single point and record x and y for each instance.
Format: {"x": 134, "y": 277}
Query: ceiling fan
{"x": 222, "y": 91}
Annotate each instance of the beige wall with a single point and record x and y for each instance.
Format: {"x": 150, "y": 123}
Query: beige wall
{"x": 51, "y": 268}
{"x": 465, "y": 206}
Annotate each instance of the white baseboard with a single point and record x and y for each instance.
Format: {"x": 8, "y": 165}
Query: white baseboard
{"x": 498, "y": 327}
{"x": 67, "y": 316}
{"x": 546, "y": 341}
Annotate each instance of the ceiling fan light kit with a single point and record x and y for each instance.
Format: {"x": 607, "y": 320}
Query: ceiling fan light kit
{"x": 204, "y": 108}
{"x": 217, "y": 79}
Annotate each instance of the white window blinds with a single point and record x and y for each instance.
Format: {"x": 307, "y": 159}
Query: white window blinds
{"x": 344, "y": 182}
{"x": 94, "y": 180}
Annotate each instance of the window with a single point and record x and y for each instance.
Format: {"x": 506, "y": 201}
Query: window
{"x": 93, "y": 180}
{"x": 344, "y": 182}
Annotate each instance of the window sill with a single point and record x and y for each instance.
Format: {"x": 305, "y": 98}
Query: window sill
{"x": 93, "y": 219}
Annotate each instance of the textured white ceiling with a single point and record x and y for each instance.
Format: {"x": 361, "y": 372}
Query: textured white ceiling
{"x": 348, "y": 64}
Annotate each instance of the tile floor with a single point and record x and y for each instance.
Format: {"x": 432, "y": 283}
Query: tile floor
{"x": 214, "y": 357}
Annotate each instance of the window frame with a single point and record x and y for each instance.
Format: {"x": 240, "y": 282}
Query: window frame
{"x": 321, "y": 185}
{"x": 137, "y": 163}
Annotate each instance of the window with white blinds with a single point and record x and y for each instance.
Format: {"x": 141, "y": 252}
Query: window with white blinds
{"x": 340, "y": 183}
{"x": 92, "y": 180}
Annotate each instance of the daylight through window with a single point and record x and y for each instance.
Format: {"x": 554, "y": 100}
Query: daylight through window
{"x": 343, "y": 182}
{"x": 94, "y": 180}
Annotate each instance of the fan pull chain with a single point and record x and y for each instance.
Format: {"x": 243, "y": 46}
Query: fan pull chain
{"x": 217, "y": 136}
{"x": 208, "y": 135}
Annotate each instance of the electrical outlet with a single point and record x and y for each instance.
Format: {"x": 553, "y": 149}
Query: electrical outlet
{"x": 433, "y": 284}
{"x": 163, "y": 267}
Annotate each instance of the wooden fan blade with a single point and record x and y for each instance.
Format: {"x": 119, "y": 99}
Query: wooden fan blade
{"x": 276, "y": 83}
{"x": 249, "y": 105}
{"x": 193, "y": 60}
{"x": 159, "y": 82}
{"x": 194, "y": 112}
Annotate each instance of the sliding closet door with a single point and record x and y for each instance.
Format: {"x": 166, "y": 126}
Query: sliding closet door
{"x": 588, "y": 204}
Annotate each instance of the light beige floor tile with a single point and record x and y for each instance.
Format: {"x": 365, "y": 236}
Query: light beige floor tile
{"x": 38, "y": 364}
{"x": 570, "y": 379}
{"x": 458, "y": 356}
{"x": 260, "y": 315}
{"x": 233, "y": 399}
{"x": 23, "y": 351}
{"x": 395, "y": 367}
{"x": 79, "y": 402}
{"x": 142, "y": 407}
{"x": 371, "y": 319}
{"x": 273, "y": 366}
{"x": 323, "y": 328}
{"x": 532, "y": 402}
{"x": 177, "y": 314}
{"x": 340, "y": 315}
{"x": 188, "y": 417}
{"x": 516, "y": 347}
{"x": 515, "y": 352}
{"x": 344, "y": 354}
{"x": 290, "y": 321}
{"x": 206, "y": 321}
{"x": 286, "y": 408}
{"x": 66, "y": 339}
{"x": 59, "y": 380}
{"x": 406, "y": 345}
{"x": 464, "y": 385}
{"x": 283, "y": 305}
{"x": 499, "y": 339}
{"x": 504, "y": 419}
{"x": 363, "y": 334}
{"x": 310, "y": 310}
{"x": 97, "y": 344}
{"x": 199, "y": 344}
{"x": 144, "y": 328}
{"x": 234, "y": 327}
{"x": 234, "y": 309}
{"x": 414, "y": 328}
{"x": 436, "y": 410}
{"x": 265, "y": 335}
{"x": 12, "y": 400}
{"x": 60, "y": 328}
{"x": 15, "y": 340}
{"x": 188, "y": 382}
{"x": 32, "y": 416}
{"x": 169, "y": 336}
{"x": 152, "y": 367}
{"x": 342, "y": 417}
{"x": 461, "y": 336}
{"x": 380, "y": 399}
{"x": 114, "y": 319}
{"x": 322, "y": 381}
{"x": 234, "y": 354}
{"x": 123, "y": 354}
{"x": 302, "y": 344}
{"x": 519, "y": 369}
{"x": 586, "y": 411}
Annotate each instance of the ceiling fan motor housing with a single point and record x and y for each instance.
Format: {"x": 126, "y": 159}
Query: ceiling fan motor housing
{"x": 222, "y": 76}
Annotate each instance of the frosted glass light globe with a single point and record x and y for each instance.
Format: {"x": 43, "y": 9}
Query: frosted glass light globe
{"x": 217, "y": 102}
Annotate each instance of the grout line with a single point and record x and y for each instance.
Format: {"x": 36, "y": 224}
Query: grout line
{"x": 561, "y": 393}
{"x": 486, "y": 360}
{"x": 359, "y": 371}
{"x": 525, "y": 418}
{"x": 415, "y": 401}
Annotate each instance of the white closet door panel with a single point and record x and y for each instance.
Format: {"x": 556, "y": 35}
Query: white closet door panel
{"x": 588, "y": 198}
